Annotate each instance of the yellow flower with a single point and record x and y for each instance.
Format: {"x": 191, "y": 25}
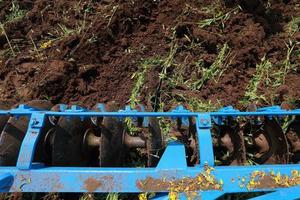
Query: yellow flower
{"x": 295, "y": 173}
{"x": 47, "y": 44}
{"x": 277, "y": 178}
{"x": 173, "y": 195}
{"x": 143, "y": 196}
{"x": 221, "y": 181}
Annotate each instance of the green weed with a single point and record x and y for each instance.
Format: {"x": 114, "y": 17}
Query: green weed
{"x": 39, "y": 55}
{"x": 293, "y": 26}
{"x": 165, "y": 125}
{"x": 15, "y": 12}
{"x": 130, "y": 127}
{"x": 112, "y": 196}
{"x": 139, "y": 77}
{"x": 215, "y": 71}
{"x": 262, "y": 75}
{"x": 271, "y": 77}
{"x": 135, "y": 98}
{"x": 219, "y": 18}
{"x": 197, "y": 105}
{"x": 7, "y": 39}
{"x": 109, "y": 196}
{"x": 169, "y": 60}
{"x": 286, "y": 67}
{"x": 65, "y": 31}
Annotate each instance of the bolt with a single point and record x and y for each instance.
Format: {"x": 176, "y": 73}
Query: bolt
{"x": 35, "y": 122}
{"x": 204, "y": 121}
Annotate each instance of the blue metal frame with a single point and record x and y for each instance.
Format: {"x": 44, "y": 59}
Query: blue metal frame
{"x": 27, "y": 176}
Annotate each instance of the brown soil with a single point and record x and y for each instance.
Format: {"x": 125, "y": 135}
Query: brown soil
{"x": 96, "y": 62}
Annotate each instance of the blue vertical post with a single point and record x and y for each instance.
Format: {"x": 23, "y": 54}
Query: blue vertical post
{"x": 203, "y": 126}
{"x": 30, "y": 140}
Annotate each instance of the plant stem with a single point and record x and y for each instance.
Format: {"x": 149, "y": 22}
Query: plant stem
{"x": 6, "y": 36}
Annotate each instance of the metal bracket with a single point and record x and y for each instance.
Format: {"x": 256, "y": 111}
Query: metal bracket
{"x": 204, "y": 124}
{"x": 219, "y": 120}
{"x": 175, "y": 154}
{"x": 128, "y": 109}
{"x": 30, "y": 140}
{"x": 182, "y": 109}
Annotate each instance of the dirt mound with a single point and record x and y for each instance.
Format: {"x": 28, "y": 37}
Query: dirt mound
{"x": 87, "y": 51}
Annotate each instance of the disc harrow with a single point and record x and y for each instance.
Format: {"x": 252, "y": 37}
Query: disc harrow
{"x": 68, "y": 148}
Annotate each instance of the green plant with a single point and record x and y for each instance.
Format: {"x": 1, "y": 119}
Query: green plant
{"x": 293, "y": 26}
{"x": 130, "y": 127}
{"x": 197, "y": 105}
{"x": 7, "y": 39}
{"x": 168, "y": 61}
{"x": 214, "y": 71}
{"x": 34, "y": 47}
{"x": 15, "y": 12}
{"x": 112, "y": 196}
{"x": 262, "y": 75}
{"x": 64, "y": 31}
{"x": 270, "y": 76}
{"x": 286, "y": 67}
{"x": 139, "y": 77}
{"x": 219, "y": 18}
{"x": 165, "y": 125}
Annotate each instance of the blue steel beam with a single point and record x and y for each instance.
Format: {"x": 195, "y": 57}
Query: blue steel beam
{"x": 266, "y": 112}
{"x": 86, "y": 179}
{"x": 281, "y": 194}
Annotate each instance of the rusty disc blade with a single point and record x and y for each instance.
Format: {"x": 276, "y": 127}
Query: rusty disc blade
{"x": 67, "y": 142}
{"x": 154, "y": 142}
{"x": 293, "y": 136}
{"x": 272, "y": 142}
{"x": 229, "y": 145}
{"x": 111, "y": 140}
{"x": 3, "y": 118}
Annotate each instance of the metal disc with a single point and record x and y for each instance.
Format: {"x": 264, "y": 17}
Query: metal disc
{"x": 274, "y": 141}
{"x": 67, "y": 142}
{"x": 293, "y": 136}
{"x": 231, "y": 138}
{"x": 111, "y": 140}
{"x": 154, "y": 142}
{"x": 3, "y": 118}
